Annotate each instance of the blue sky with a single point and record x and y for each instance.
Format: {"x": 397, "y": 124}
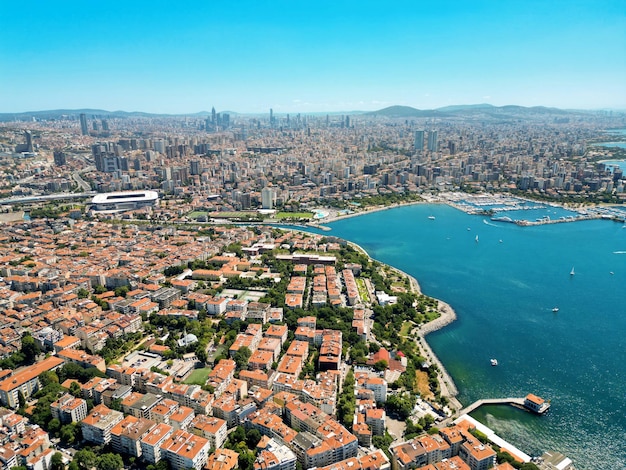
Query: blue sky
{"x": 249, "y": 56}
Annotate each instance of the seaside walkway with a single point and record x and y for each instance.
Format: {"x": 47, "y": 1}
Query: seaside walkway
{"x": 517, "y": 402}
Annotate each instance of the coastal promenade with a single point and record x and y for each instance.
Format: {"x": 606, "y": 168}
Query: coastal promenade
{"x": 517, "y": 402}
{"x": 446, "y": 316}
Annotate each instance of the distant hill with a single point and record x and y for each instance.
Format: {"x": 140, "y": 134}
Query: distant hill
{"x": 477, "y": 111}
{"x": 483, "y": 110}
{"x": 404, "y": 111}
{"x": 101, "y": 113}
{"x": 465, "y": 107}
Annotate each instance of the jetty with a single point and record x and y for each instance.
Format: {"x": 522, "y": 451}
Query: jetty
{"x": 516, "y": 402}
{"x": 530, "y": 402}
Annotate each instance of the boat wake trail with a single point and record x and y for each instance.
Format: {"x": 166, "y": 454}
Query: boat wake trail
{"x": 619, "y": 252}
{"x": 486, "y": 222}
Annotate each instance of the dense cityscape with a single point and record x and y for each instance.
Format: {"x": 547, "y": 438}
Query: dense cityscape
{"x": 154, "y": 316}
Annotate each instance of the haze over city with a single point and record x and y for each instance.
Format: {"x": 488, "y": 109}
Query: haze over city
{"x": 250, "y": 56}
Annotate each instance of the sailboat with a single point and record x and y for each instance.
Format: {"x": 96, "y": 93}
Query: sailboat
{"x": 571, "y": 273}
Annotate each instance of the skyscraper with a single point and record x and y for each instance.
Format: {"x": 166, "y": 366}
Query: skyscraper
{"x": 83, "y": 124}
{"x": 432, "y": 141}
{"x": 268, "y": 198}
{"x": 419, "y": 141}
{"x": 59, "y": 158}
{"x": 271, "y": 117}
{"x": 29, "y": 141}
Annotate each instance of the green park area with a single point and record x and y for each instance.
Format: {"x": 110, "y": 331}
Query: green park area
{"x": 294, "y": 215}
{"x": 198, "y": 376}
{"x": 224, "y": 215}
{"x": 362, "y": 290}
{"x": 196, "y": 214}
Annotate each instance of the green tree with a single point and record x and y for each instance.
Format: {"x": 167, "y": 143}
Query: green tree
{"x": 75, "y": 389}
{"x": 30, "y": 349}
{"x": 48, "y": 377}
{"x": 253, "y": 436}
{"x": 242, "y": 356}
{"x": 20, "y": 399}
{"x": 110, "y": 461}
{"x": 56, "y": 462}
{"x": 380, "y": 365}
{"x": 85, "y": 459}
{"x": 122, "y": 291}
{"x": 82, "y": 293}
{"x": 99, "y": 289}
{"x": 246, "y": 460}
{"x": 70, "y": 433}
{"x": 54, "y": 426}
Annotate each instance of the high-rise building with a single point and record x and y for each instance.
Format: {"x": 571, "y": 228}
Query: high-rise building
{"x": 271, "y": 117}
{"x": 213, "y": 117}
{"x": 29, "y": 141}
{"x": 268, "y": 198}
{"x": 83, "y": 124}
{"x": 432, "y": 141}
{"x": 105, "y": 125}
{"x": 59, "y": 158}
{"x": 194, "y": 167}
{"x": 419, "y": 141}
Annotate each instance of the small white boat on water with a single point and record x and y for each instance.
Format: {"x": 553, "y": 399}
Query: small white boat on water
{"x": 555, "y": 309}
{"x": 431, "y": 217}
{"x": 571, "y": 273}
{"x": 494, "y": 362}
{"x": 476, "y": 238}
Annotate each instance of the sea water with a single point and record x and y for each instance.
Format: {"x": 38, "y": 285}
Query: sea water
{"x": 504, "y": 281}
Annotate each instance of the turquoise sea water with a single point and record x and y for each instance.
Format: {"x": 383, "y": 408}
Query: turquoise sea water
{"x": 504, "y": 288}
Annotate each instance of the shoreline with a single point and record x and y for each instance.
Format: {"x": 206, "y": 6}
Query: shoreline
{"x": 447, "y": 386}
{"x": 368, "y": 210}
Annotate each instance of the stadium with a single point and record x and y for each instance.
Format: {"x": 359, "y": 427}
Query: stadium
{"x": 123, "y": 201}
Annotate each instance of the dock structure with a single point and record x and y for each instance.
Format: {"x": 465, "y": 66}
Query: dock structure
{"x": 517, "y": 402}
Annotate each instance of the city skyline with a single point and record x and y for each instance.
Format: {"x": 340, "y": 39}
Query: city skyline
{"x": 353, "y": 56}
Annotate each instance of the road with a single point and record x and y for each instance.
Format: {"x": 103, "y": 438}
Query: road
{"x": 81, "y": 182}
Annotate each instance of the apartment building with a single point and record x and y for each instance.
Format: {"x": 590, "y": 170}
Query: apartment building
{"x": 26, "y": 381}
{"x": 69, "y": 409}
{"x": 184, "y": 450}
{"x": 98, "y": 424}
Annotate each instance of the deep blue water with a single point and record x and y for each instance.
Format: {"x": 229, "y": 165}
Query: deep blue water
{"x": 504, "y": 288}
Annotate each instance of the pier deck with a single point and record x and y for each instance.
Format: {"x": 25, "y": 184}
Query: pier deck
{"x": 517, "y": 402}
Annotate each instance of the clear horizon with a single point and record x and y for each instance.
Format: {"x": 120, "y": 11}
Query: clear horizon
{"x": 347, "y": 56}
{"x": 281, "y": 113}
